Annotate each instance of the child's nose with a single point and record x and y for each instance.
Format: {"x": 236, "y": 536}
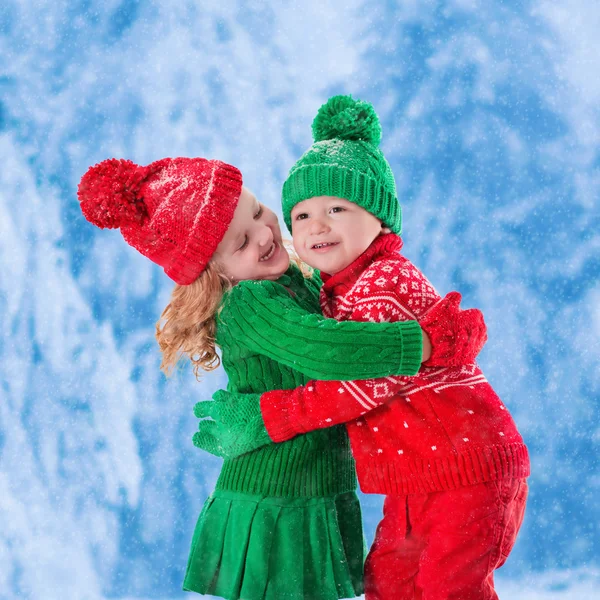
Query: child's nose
{"x": 265, "y": 237}
{"x": 318, "y": 226}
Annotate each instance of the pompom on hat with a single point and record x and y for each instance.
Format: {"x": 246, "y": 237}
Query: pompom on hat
{"x": 174, "y": 211}
{"x": 345, "y": 161}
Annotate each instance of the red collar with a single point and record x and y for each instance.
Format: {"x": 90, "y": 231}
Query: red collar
{"x": 341, "y": 282}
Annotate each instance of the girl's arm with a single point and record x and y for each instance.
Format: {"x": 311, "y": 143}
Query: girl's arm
{"x": 264, "y": 317}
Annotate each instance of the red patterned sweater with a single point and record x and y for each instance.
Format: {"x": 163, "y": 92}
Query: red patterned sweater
{"x": 442, "y": 429}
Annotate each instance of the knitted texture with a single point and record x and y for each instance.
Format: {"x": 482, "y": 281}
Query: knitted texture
{"x": 345, "y": 162}
{"x": 457, "y": 336}
{"x": 174, "y": 211}
{"x": 234, "y": 428}
{"x": 272, "y": 336}
{"x": 445, "y": 427}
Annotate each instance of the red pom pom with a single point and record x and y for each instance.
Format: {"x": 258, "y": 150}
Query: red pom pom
{"x": 108, "y": 194}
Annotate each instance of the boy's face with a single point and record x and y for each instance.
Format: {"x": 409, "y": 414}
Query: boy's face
{"x": 330, "y": 233}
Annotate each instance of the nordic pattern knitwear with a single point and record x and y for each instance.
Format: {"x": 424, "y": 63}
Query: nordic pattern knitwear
{"x": 273, "y": 336}
{"x": 440, "y": 430}
{"x": 345, "y": 162}
{"x": 174, "y": 211}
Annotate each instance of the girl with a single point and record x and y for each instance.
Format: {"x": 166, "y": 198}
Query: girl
{"x": 284, "y": 521}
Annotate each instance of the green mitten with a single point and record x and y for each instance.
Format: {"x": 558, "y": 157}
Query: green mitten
{"x": 236, "y": 427}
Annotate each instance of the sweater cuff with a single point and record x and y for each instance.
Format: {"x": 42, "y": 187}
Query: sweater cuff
{"x": 276, "y": 416}
{"x": 412, "y": 348}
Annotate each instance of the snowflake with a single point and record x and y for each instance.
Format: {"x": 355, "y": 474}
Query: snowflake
{"x": 406, "y": 424}
{"x": 434, "y": 447}
{"x": 327, "y": 420}
{"x": 400, "y": 451}
{"x": 379, "y": 451}
{"x": 375, "y": 428}
{"x": 465, "y": 439}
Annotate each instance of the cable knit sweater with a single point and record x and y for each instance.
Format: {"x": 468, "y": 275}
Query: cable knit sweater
{"x": 273, "y": 335}
{"x": 440, "y": 430}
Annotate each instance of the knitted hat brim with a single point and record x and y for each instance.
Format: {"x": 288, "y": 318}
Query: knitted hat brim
{"x": 334, "y": 180}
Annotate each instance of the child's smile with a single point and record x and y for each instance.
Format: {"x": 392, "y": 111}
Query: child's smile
{"x": 323, "y": 247}
{"x": 271, "y": 252}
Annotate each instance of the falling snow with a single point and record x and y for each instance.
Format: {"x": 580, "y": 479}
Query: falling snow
{"x": 490, "y": 116}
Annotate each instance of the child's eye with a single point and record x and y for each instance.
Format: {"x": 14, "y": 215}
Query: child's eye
{"x": 301, "y": 216}
{"x": 338, "y": 209}
{"x": 244, "y": 244}
{"x": 259, "y": 213}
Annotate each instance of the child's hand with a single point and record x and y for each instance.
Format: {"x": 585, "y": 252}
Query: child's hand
{"x": 235, "y": 426}
{"x": 457, "y": 336}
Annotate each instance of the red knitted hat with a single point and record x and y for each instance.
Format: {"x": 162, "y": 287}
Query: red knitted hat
{"x": 175, "y": 211}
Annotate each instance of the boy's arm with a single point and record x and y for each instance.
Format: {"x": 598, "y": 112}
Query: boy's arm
{"x": 267, "y": 320}
{"x": 321, "y": 404}
{"x": 240, "y": 423}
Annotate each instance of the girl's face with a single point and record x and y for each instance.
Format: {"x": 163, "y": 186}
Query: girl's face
{"x": 252, "y": 247}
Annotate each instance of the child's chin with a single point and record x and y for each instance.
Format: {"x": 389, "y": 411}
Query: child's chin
{"x": 283, "y": 262}
{"x": 327, "y": 266}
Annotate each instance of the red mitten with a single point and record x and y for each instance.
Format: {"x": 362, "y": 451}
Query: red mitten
{"x": 457, "y": 336}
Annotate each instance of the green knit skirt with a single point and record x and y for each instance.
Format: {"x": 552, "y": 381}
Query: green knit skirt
{"x": 269, "y": 548}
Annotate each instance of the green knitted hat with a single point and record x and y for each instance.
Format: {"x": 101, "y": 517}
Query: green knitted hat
{"x": 345, "y": 161}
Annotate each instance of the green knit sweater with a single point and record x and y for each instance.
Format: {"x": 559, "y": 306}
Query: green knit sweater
{"x": 273, "y": 336}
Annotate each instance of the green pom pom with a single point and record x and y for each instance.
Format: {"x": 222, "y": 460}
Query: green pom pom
{"x": 344, "y": 118}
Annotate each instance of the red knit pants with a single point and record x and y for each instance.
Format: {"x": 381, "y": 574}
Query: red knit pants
{"x": 445, "y": 545}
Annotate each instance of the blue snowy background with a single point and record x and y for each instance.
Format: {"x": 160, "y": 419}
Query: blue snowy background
{"x": 491, "y": 117}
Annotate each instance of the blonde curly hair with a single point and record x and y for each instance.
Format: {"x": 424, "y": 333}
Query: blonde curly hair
{"x": 188, "y": 324}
